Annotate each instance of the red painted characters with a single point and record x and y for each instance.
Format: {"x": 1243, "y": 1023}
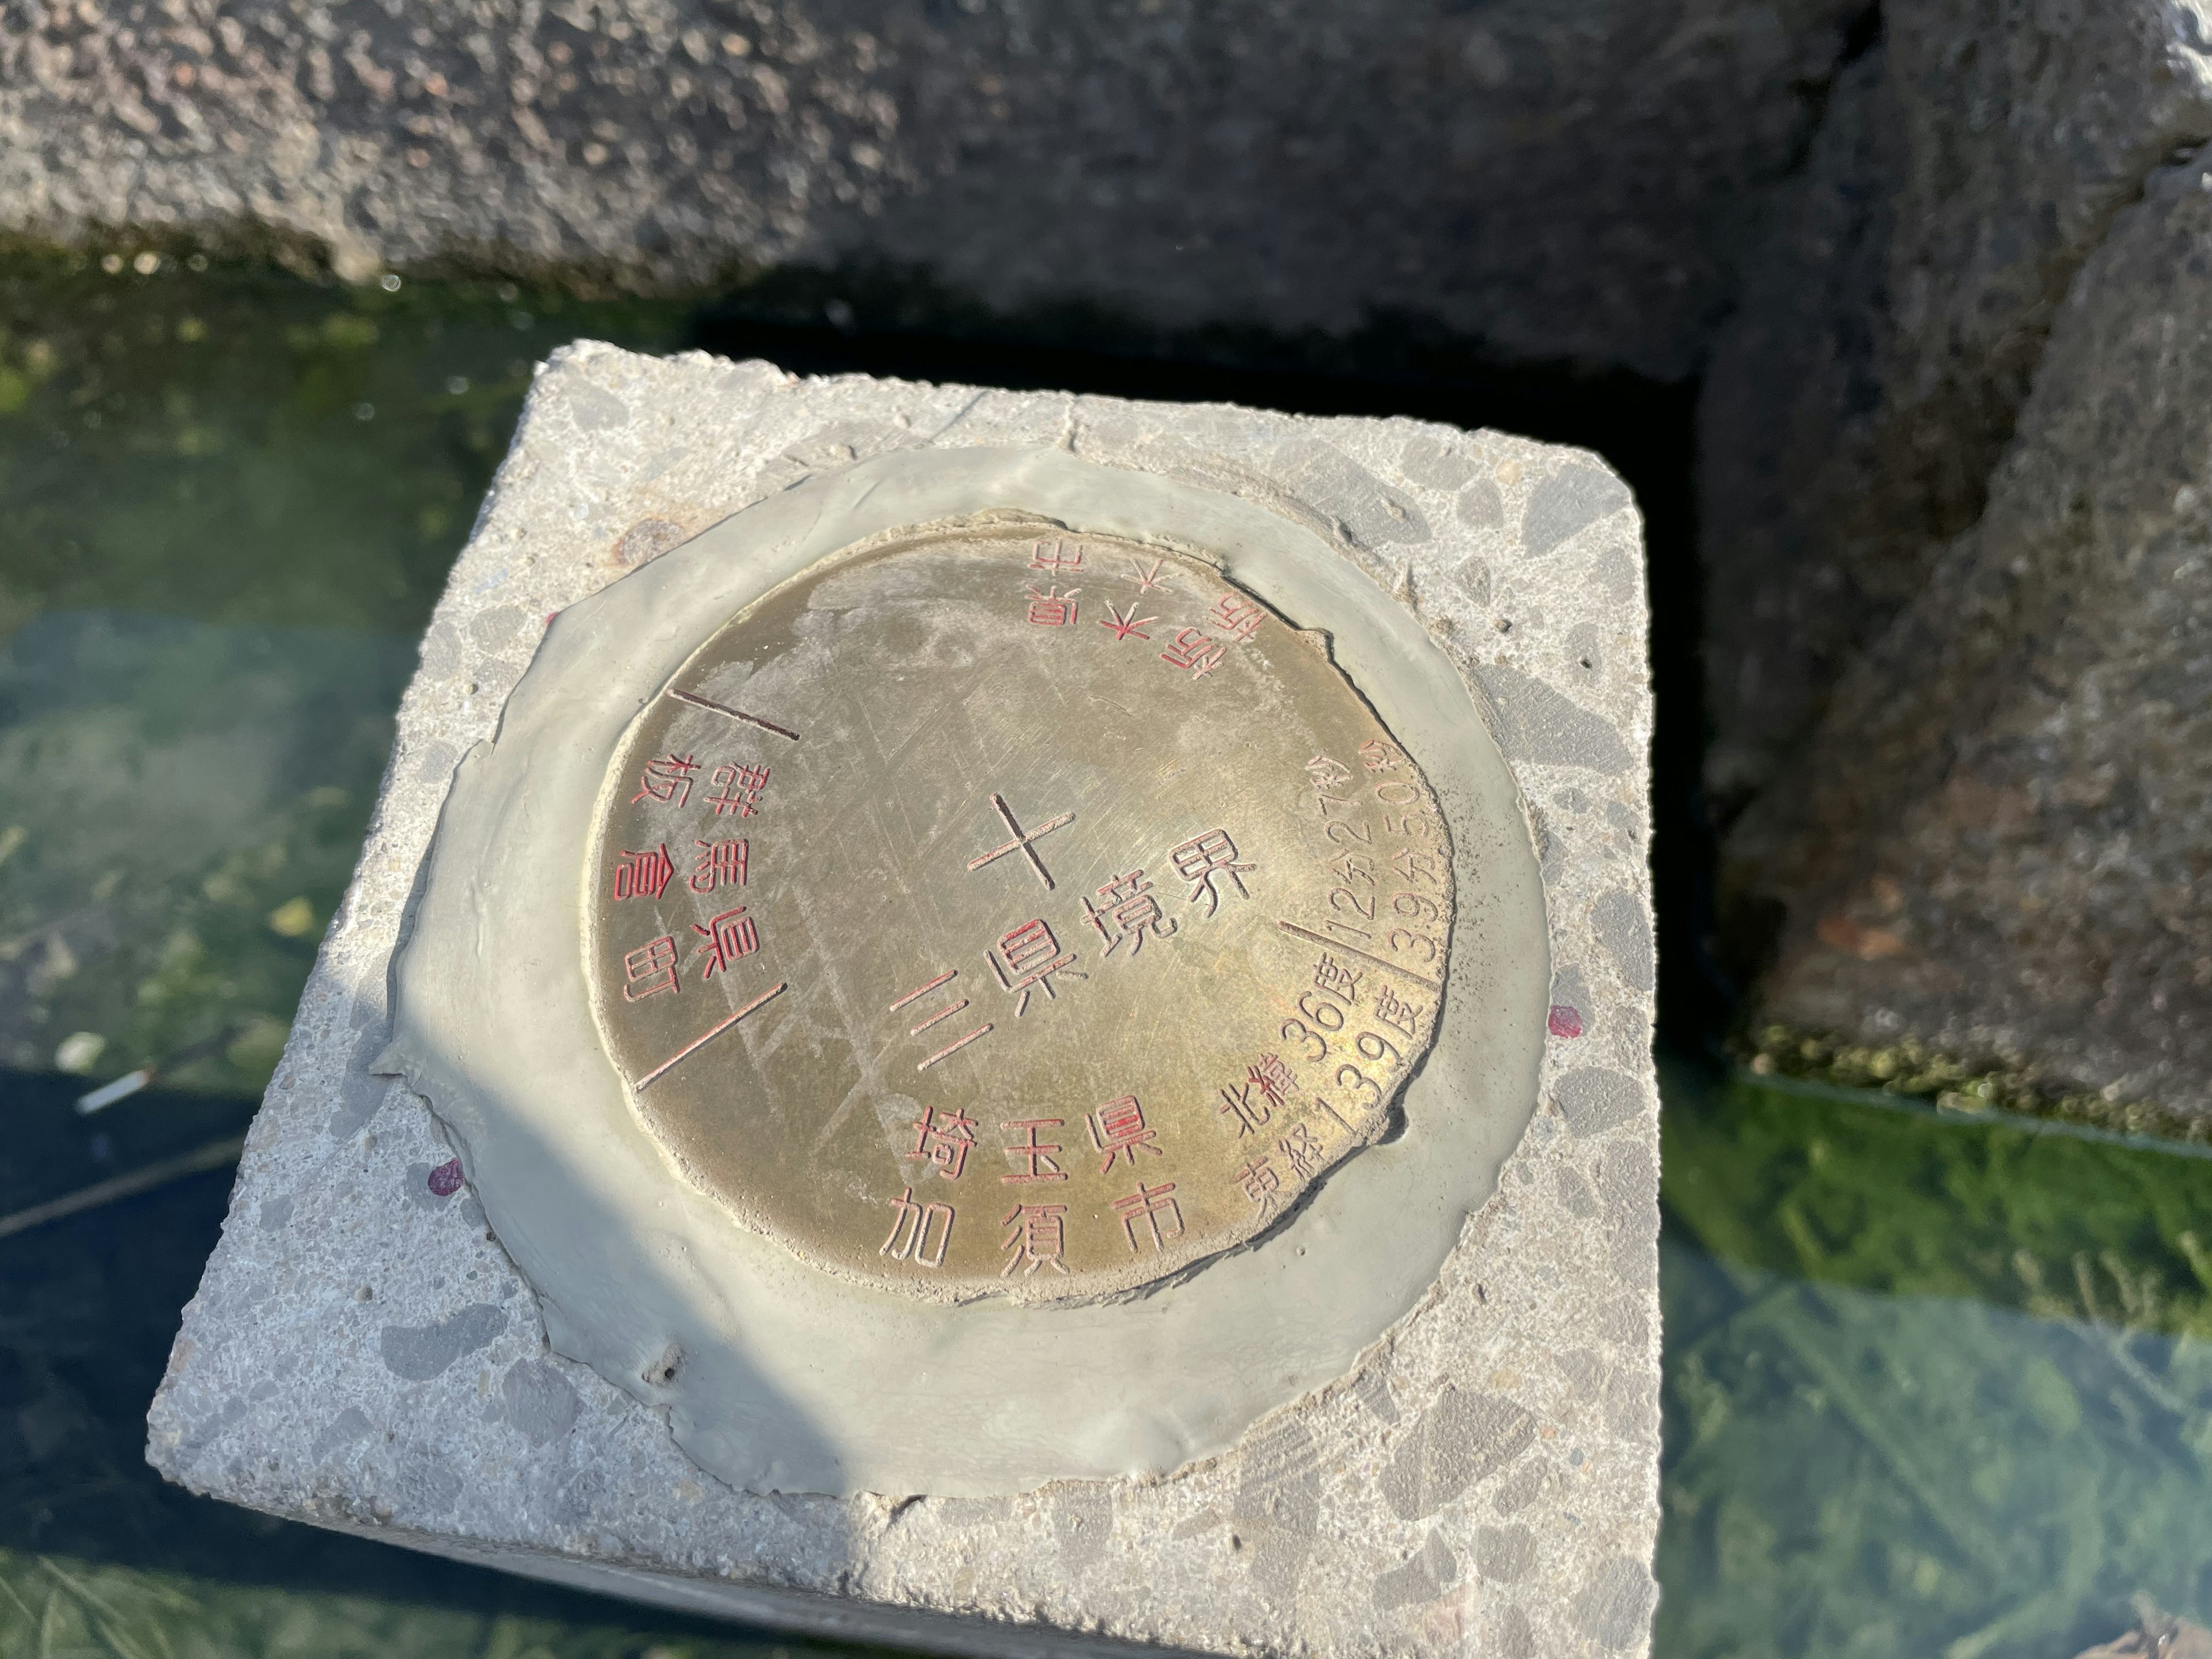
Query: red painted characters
{"x": 1202, "y": 859}
{"x": 643, "y": 875}
{"x": 1119, "y": 1130}
{"x": 667, "y": 779}
{"x": 1027, "y": 957}
{"x": 737, "y": 789}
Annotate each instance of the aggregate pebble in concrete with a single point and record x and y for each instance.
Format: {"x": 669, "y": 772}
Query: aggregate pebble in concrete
{"x": 361, "y": 1354}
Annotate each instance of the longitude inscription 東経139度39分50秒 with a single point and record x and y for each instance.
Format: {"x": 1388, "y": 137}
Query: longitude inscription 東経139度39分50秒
{"x": 992, "y": 912}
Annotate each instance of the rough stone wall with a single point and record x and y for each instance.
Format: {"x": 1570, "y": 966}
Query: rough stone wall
{"x": 2000, "y": 836}
{"x": 1856, "y": 405}
{"x": 1565, "y": 179}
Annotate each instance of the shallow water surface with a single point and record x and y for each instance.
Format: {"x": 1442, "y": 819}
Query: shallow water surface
{"x": 1932, "y": 1387}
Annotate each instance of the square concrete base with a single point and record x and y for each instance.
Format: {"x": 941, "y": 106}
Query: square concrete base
{"x": 363, "y": 1355}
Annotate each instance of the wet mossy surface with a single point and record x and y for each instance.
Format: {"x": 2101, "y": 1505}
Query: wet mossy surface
{"x": 229, "y": 500}
{"x": 1918, "y": 1070}
{"x": 1933, "y": 1385}
{"x": 2008, "y": 1213}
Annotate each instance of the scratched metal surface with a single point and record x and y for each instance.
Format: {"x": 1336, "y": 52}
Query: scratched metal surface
{"x": 1005, "y": 911}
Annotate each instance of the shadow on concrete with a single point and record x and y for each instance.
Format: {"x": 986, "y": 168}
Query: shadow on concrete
{"x": 91, "y": 1305}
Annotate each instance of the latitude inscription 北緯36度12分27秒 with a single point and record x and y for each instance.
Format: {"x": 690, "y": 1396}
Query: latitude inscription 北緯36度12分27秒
{"x": 991, "y": 912}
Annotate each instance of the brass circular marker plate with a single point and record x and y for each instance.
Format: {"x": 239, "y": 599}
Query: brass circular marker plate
{"x": 992, "y": 913}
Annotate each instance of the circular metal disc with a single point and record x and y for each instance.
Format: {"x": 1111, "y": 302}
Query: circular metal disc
{"x": 988, "y": 912}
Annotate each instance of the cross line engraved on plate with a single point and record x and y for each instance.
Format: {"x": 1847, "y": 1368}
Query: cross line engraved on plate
{"x": 705, "y": 1038}
{"x": 1022, "y": 842}
{"x": 1355, "y": 950}
{"x": 714, "y": 707}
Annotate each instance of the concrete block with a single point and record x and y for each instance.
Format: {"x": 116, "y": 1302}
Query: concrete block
{"x": 1478, "y": 1473}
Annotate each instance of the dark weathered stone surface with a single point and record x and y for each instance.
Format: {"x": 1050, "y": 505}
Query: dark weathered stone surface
{"x": 1562, "y": 180}
{"x": 1857, "y": 404}
{"x": 1998, "y": 840}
